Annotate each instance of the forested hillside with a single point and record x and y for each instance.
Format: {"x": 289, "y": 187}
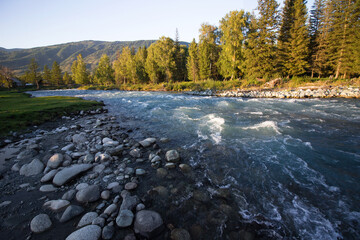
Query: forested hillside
{"x": 19, "y": 59}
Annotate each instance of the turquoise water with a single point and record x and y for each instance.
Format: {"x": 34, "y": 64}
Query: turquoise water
{"x": 292, "y": 164}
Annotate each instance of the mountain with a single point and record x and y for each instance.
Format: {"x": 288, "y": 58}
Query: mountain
{"x": 19, "y": 59}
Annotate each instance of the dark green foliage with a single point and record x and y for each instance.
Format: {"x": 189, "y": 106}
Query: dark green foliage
{"x": 67, "y": 79}
{"x": 208, "y": 51}
{"x": 32, "y": 75}
{"x": 56, "y": 77}
{"x": 233, "y": 28}
{"x": 79, "y": 73}
{"x": 261, "y": 49}
{"x": 46, "y": 75}
{"x": 104, "y": 73}
{"x": 193, "y": 62}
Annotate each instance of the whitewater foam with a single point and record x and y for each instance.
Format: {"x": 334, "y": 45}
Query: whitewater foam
{"x": 267, "y": 124}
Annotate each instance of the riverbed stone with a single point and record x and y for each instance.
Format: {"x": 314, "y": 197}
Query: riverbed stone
{"x": 125, "y": 218}
{"x": 185, "y": 168}
{"x": 147, "y": 142}
{"x": 71, "y": 212}
{"x": 135, "y": 153}
{"x": 108, "y": 142}
{"x": 69, "y": 195}
{"x": 79, "y": 138}
{"x": 33, "y": 168}
{"x": 105, "y": 194}
{"x": 69, "y": 173}
{"x": 110, "y": 209}
{"x": 140, "y": 172}
{"x": 88, "y": 194}
{"x": 81, "y": 186}
{"x": 56, "y": 205}
{"x": 40, "y": 223}
{"x": 130, "y": 186}
{"x": 108, "y": 232}
{"x": 148, "y": 223}
{"x": 172, "y": 156}
{"x": 49, "y": 176}
{"x": 91, "y": 232}
{"x": 129, "y": 202}
{"x": 47, "y": 188}
{"x": 161, "y": 172}
{"x": 55, "y": 161}
{"x": 69, "y": 147}
{"x": 87, "y": 219}
{"x": 180, "y": 234}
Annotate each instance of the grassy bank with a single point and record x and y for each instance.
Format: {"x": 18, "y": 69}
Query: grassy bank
{"x": 18, "y": 110}
{"x": 258, "y": 84}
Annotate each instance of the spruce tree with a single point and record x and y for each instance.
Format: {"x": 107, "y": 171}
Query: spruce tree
{"x": 104, "y": 73}
{"x": 319, "y": 38}
{"x": 140, "y": 60}
{"x": 56, "y": 77}
{"x": 344, "y": 22}
{"x": 208, "y": 51}
{"x": 67, "y": 78}
{"x": 32, "y": 74}
{"x": 296, "y": 50}
{"x": 79, "y": 72}
{"x": 233, "y": 30}
{"x": 46, "y": 75}
{"x": 261, "y": 48}
{"x": 193, "y": 62}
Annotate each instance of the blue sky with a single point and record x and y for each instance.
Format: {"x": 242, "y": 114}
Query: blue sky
{"x": 33, "y": 23}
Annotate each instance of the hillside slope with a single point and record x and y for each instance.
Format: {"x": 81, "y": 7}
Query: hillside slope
{"x": 65, "y": 54}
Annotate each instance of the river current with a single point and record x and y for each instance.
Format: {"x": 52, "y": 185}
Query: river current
{"x": 293, "y": 165}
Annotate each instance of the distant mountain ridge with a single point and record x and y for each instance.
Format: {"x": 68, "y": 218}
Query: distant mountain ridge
{"x": 19, "y": 59}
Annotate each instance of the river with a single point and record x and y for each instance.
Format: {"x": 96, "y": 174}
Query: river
{"x": 292, "y": 165}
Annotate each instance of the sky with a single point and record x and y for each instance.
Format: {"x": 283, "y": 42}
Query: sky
{"x": 35, "y": 23}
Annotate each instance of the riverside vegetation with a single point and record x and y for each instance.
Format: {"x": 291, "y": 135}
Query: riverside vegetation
{"x": 245, "y": 50}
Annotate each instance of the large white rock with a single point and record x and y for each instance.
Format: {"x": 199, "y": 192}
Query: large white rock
{"x": 33, "y": 168}
{"x": 147, "y": 142}
{"x": 55, "y": 160}
{"x": 56, "y": 205}
{"x": 40, "y": 223}
{"x": 87, "y": 219}
{"x": 91, "y": 232}
{"x": 69, "y": 173}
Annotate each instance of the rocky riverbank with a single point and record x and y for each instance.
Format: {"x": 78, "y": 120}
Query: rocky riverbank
{"x": 342, "y": 92}
{"x": 89, "y": 179}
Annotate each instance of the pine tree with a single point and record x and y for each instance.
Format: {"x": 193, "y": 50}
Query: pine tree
{"x": 140, "y": 60}
{"x": 79, "y": 72}
{"x": 233, "y": 30}
{"x": 56, "y": 77}
{"x": 67, "y": 78}
{"x": 295, "y": 50}
{"x": 46, "y": 75}
{"x": 124, "y": 66}
{"x": 208, "y": 51}
{"x": 32, "y": 74}
{"x": 104, "y": 73}
{"x": 261, "y": 50}
{"x": 5, "y": 77}
{"x": 344, "y": 22}
{"x": 319, "y": 38}
{"x": 193, "y": 62}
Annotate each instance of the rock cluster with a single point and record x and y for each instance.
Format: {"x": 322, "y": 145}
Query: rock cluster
{"x": 98, "y": 171}
{"x": 336, "y": 92}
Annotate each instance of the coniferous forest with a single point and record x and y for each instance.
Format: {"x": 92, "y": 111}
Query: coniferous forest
{"x": 255, "y": 47}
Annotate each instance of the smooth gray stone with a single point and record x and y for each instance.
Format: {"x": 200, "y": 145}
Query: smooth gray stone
{"x": 125, "y": 218}
{"x": 87, "y": 219}
{"x": 69, "y": 173}
{"x": 91, "y": 232}
{"x": 33, "y": 168}
{"x": 88, "y": 194}
{"x": 40, "y": 223}
{"x": 71, "y": 212}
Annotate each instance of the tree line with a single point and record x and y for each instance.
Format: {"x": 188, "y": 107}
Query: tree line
{"x": 272, "y": 43}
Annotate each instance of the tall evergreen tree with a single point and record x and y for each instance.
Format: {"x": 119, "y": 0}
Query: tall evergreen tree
{"x": 343, "y": 35}
{"x": 294, "y": 39}
{"x": 32, "y": 74}
{"x": 79, "y": 72}
{"x": 67, "y": 78}
{"x": 319, "y": 38}
{"x": 261, "y": 50}
{"x": 104, "y": 73}
{"x": 140, "y": 60}
{"x": 124, "y": 66}
{"x": 233, "y": 28}
{"x": 56, "y": 77}
{"x": 46, "y": 75}
{"x": 193, "y": 62}
{"x": 208, "y": 51}
{"x": 5, "y": 77}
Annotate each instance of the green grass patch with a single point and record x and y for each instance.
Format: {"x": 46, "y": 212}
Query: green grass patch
{"x": 19, "y": 110}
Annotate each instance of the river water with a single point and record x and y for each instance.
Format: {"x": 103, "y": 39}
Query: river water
{"x": 293, "y": 165}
